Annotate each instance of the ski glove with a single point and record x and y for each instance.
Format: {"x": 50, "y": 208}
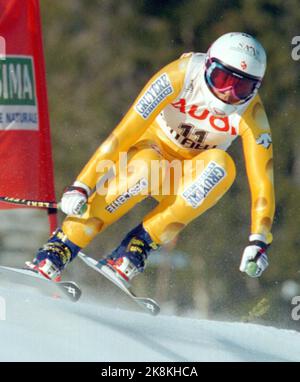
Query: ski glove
{"x": 74, "y": 199}
{"x": 255, "y": 260}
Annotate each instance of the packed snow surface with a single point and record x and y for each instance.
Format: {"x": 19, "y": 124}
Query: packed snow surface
{"x": 41, "y": 328}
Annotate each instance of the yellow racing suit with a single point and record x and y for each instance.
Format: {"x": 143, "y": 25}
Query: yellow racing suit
{"x": 168, "y": 125}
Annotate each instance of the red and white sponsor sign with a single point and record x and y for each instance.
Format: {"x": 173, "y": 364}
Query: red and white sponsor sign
{"x": 26, "y": 169}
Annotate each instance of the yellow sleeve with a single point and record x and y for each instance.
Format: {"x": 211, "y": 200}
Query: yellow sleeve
{"x": 258, "y": 152}
{"x": 161, "y": 90}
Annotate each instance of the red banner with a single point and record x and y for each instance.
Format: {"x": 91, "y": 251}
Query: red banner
{"x": 26, "y": 169}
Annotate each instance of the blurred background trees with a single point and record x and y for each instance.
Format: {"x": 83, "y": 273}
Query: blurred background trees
{"x": 99, "y": 54}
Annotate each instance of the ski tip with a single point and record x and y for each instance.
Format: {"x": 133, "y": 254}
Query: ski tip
{"x": 70, "y": 289}
{"x": 156, "y": 311}
{"x": 149, "y": 305}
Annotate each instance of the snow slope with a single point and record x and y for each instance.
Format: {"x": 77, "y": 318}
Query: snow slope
{"x": 39, "y": 328}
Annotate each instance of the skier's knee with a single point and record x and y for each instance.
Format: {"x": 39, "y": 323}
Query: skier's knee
{"x": 82, "y": 231}
{"x": 226, "y": 161}
{"x": 220, "y": 163}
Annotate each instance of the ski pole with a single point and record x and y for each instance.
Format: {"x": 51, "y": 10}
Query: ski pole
{"x": 252, "y": 269}
{"x": 252, "y": 266}
{"x": 36, "y": 203}
{"x": 30, "y": 203}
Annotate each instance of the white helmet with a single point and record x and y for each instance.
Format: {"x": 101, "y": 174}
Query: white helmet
{"x": 234, "y": 68}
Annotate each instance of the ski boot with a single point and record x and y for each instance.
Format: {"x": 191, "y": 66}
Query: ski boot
{"x": 128, "y": 259}
{"x": 54, "y": 256}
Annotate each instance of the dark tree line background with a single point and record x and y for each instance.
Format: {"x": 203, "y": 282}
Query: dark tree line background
{"x": 99, "y": 54}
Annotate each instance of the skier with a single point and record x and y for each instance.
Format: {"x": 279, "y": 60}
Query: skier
{"x": 191, "y": 110}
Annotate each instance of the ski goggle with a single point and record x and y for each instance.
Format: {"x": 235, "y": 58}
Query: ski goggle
{"x": 238, "y": 87}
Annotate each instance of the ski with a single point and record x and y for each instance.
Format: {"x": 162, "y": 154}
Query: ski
{"x": 148, "y": 304}
{"x": 32, "y": 278}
